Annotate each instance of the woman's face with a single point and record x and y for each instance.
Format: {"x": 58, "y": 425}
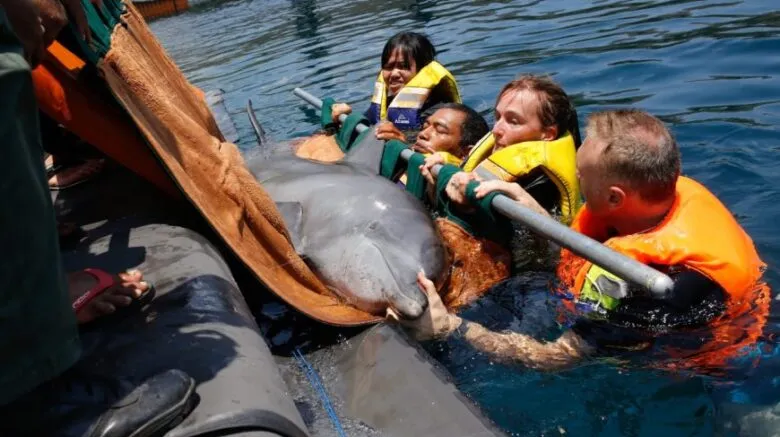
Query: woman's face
{"x": 517, "y": 119}
{"x": 398, "y": 71}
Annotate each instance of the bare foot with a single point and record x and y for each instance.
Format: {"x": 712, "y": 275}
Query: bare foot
{"x": 71, "y": 176}
{"x": 126, "y": 287}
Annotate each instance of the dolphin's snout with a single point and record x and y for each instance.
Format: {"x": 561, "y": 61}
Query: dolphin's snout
{"x": 412, "y": 306}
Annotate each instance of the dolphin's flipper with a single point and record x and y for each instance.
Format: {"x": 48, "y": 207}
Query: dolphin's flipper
{"x": 367, "y": 153}
{"x": 259, "y": 131}
{"x": 292, "y": 213}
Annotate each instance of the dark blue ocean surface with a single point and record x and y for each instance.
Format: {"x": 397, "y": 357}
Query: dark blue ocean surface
{"x": 709, "y": 68}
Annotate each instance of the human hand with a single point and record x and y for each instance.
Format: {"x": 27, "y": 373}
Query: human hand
{"x": 79, "y": 15}
{"x": 53, "y": 19}
{"x": 25, "y": 19}
{"x": 513, "y": 191}
{"x": 427, "y": 167}
{"x": 339, "y": 109}
{"x": 436, "y": 321}
{"x": 456, "y": 187}
{"x": 387, "y": 131}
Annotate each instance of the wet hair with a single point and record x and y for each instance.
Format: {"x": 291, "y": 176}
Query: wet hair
{"x": 555, "y": 107}
{"x": 639, "y": 151}
{"x": 474, "y": 125}
{"x": 412, "y": 46}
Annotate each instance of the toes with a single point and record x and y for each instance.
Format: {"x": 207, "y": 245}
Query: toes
{"x": 103, "y": 307}
{"x": 133, "y": 275}
{"x": 131, "y": 289}
{"x": 118, "y": 300}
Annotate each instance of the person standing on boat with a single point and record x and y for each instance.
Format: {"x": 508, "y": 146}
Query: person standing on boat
{"x": 410, "y": 81}
{"x": 639, "y": 205}
{"x": 43, "y": 391}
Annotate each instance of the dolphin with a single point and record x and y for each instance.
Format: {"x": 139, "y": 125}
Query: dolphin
{"x": 360, "y": 233}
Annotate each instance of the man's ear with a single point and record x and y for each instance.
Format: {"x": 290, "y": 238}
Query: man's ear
{"x": 617, "y": 197}
{"x": 550, "y": 133}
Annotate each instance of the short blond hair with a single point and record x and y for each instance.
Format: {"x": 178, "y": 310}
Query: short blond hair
{"x": 639, "y": 151}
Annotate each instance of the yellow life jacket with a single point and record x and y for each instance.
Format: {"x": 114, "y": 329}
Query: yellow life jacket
{"x": 404, "y": 110}
{"x": 556, "y": 158}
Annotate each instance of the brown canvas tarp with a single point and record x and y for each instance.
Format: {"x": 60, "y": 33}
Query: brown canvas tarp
{"x": 175, "y": 120}
{"x": 180, "y": 129}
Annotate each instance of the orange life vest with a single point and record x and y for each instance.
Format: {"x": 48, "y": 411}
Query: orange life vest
{"x": 699, "y": 234}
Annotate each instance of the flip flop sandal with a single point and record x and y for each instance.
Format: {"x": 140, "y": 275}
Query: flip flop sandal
{"x": 104, "y": 282}
{"x": 92, "y": 175}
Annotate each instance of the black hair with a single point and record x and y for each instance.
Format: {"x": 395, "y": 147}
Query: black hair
{"x": 474, "y": 125}
{"x": 412, "y": 46}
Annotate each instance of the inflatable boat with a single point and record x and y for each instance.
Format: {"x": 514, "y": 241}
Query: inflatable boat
{"x": 181, "y": 207}
{"x": 350, "y": 381}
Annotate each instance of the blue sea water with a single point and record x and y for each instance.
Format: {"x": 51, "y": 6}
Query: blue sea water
{"x": 709, "y": 68}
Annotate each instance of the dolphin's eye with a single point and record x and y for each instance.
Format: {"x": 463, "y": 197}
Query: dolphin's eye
{"x": 377, "y": 229}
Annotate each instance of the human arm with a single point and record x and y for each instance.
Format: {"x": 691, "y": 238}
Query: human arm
{"x": 25, "y": 19}
{"x": 437, "y": 322}
{"x": 456, "y": 191}
{"x": 512, "y": 190}
{"x": 53, "y": 19}
{"x": 79, "y": 17}
{"x": 37, "y": 22}
{"x": 565, "y": 352}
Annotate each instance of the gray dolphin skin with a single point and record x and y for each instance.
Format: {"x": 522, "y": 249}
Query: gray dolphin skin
{"x": 363, "y": 235}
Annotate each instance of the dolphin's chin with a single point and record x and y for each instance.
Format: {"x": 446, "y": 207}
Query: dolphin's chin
{"x": 404, "y": 307}
{"x": 410, "y": 308}
{"x": 410, "y": 313}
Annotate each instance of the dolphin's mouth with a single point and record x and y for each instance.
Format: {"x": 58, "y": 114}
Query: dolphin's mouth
{"x": 408, "y": 301}
{"x": 408, "y": 308}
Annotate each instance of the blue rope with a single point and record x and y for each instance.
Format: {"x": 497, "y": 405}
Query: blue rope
{"x": 311, "y": 374}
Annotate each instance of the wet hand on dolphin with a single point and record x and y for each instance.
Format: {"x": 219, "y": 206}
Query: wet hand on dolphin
{"x": 435, "y": 322}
